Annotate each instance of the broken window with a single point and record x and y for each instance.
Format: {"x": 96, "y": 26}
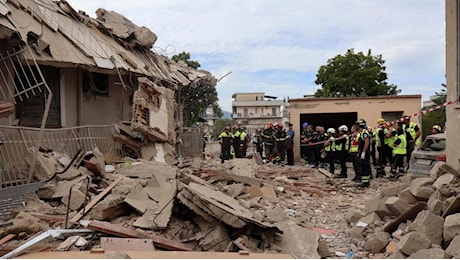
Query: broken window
{"x": 95, "y": 84}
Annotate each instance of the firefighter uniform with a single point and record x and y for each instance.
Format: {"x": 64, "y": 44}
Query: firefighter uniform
{"x": 269, "y": 141}
{"x": 399, "y": 150}
{"x": 412, "y": 137}
{"x": 364, "y": 153}
{"x": 243, "y": 142}
{"x": 236, "y": 143}
{"x": 354, "y": 148}
{"x": 379, "y": 145}
{"x": 281, "y": 138}
{"x": 329, "y": 147}
{"x": 342, "y": 145}
{"x": 225, "y": 139}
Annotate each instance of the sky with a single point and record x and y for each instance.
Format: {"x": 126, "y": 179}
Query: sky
{"x": 277, "y": 47}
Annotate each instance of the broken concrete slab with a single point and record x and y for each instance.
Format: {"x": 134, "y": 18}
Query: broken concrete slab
{"x": 77, "y": 199}
{"x": 435, "y": 203}
{"x": 234, "y": 190}
{"x": 371, "y": 219}
{"x": 378, "y": 206}
{"x": 139, "y": 199}
{"x": 276, "y": 214}
{"x": 453, "y": 205}
{"x": 430, "y": 225}
{"x": 213, "y": 237}
{"x": 396, "y": 205}
{"x": 376, "y": 242}
{"x": 27, "y": 223}
{"x": 454, "y": 246}
{"x": 451, "y": 227}
{"x": 299, "y": 241}
{"x": 354, "y": 215}
{"x": 268, "y": 192}
{"x": 412, "y": 242}
{"x": 444, "y": 179}
{"x": 109, "y": 208}
{"x": 430, "y": 253}
{"x": 407, "y": 196}
{"x": 422, "y": 188}
{"x": 389, "y": 192}
{"x": 441, "y": 168}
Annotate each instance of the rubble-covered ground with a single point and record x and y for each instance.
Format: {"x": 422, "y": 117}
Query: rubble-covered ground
{"x": 204, "y": 205}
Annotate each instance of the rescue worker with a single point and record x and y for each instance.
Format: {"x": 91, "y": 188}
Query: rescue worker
{"x": 309, "y": 149}
{"x": 364, "y": 153}
{"x": 243, "y": 142}
{"x": 354, "y": 148}
{"x": 269, "y": 141}
{"x": 225, "y": 139}
{"x": 236, "y": 141}
{"x": 329, "y": 147}
{"x": 372, "y": 146}
{"x": 257, "y": 141}
{"x": 290, "y": 145}
{"x": 413, "y": 133}
{"x": 400, "y": 151}
{"x": 342, "y": 144}
{"x": 436, "y": 129}
{"x": 379, "y": 144}
{"x": 318, "y": 147}
{"x": 390, "y": 136}
{"x": 281, "y": 138}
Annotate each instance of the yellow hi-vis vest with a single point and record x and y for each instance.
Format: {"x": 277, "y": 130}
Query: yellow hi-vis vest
{"x": 401, "y": 147}
{"x": 331, "y": 146}
{"x": 343, "y": 146}
{"x": 390, "y": 140}
{"x": 378, "y": 142}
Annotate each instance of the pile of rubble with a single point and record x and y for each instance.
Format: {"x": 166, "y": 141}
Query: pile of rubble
{"x": 415, "y": 218}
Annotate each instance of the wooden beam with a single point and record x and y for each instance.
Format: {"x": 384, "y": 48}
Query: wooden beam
{"x": 7, "y": 238}
{"x": 408, "y": 214}
{"x": 96, "y": 200}
{"x": 120, "y": 231}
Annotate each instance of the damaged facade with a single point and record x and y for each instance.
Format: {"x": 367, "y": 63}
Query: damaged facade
{"x": 74, "y": 70}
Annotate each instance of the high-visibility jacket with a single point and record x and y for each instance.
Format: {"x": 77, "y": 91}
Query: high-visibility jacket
{"x": 343, "y": 146}
{"x": 378, "y": 142}
{"x": 412, "y": 131}
{"x": 354, "y": 147}
{"x": 224, "y": 134}
{"x": 401, "y": 147}
{"x": 390, "y": 140}
{"x": 331, "y": 146}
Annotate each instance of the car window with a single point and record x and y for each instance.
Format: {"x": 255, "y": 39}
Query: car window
{"x": 431, "y": 144}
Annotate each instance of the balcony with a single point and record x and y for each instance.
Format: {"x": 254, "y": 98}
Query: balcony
{"x": 253, "y": 115}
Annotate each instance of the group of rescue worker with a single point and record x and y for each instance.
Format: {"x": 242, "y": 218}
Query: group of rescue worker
{"x": 273, "y": 143}
{"x": 391, "y": 142}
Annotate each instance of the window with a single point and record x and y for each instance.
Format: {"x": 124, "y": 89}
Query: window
{"x": 390, "y": 116}
{"x": 245, "y": 112}
{"x": 95, "y": 83}
{"x": 257, "y": 98}
{"x": 256, "y": 110}
{"x": 273, "y": 111}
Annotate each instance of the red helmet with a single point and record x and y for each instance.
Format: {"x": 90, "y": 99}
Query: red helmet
{"x": 270, "y": 125}
{"x": 234, "y": 127}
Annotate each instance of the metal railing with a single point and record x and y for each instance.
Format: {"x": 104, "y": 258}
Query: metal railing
{"x": 20, "y": 142}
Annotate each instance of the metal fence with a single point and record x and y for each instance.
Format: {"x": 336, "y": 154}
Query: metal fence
{"x": 19, "y": 143}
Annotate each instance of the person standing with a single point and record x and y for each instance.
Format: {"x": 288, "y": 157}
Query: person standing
{"x": 269, "y": 141}
{"x": 225, "y": 139}
{"x": 318, "y": 147}
{"x": 290, "y": 144}
{"x": 257, "y": 142}
{"x": 364, "y": 154}
{"x": 400, "y": 151}
{"x": 243, "y": 142}
{"x": 329, "y": 147}
{"x": 236, "y": 141}
{"x": 354, "y": 148}
{"x": 379, "y": 144}
{"x": 342, "y": 144}
{"x": 281, "y": 138}
{"x": 413, "y": 133}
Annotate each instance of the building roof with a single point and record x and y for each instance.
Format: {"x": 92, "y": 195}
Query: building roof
{"x": 65, "y": 38}
{"x": 353, "y": 98}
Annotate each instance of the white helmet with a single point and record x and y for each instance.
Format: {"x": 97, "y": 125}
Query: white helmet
{"x": 331, "y": 130}
{"x": 343, "y": 128}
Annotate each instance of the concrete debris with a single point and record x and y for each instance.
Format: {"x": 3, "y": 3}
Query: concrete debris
{"x": 431, "y": 253}
{"x": 27, "y": 223}
{"x": 396, "y": 205}
{"x": 378, "y": 206}
{"x": 451, "y": 227}
{"x": 454, "y": 246}
{"x": 444, "y": 180}
{"x": 376, "y": 242}
{"x": 422, "y": 188}
{"x": 430, "y": 225}
{"x": 301, "y": 242}
{"x": 412, "y": 242}
{"x": 441, "y": 168}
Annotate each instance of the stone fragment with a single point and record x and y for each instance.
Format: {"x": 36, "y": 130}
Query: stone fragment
{"x": 353, "y": 215}
{"x": 275, "y": 215}
{"x": 422, "y": 188}
{"x": 323, "y": 249}
{"x": 430, "y": 225}
{"x": 371, "y": 219}
{"x": 397, "y": 255}
{"x": 396, "y": 205}
{"x": 443, "y": 180}
{"x": 451, "y": 226}
{"x": 434, "y": 204}
{"x": 27, "y": 223}
{"x": 376, "y": 242}
{"x": 389, "y": 191}
{"x": 430, "y": 253}
{"x": 441, "y": 168}
{"x": 235, "y": 190}
{"x": 301, "y": 242}
{"x": 77, "y": 199}
{"x": 407, "y": 196}
{"x": 357, "y": 232}
{"x": 454, "y": 246}
{"x": 407, "y": 178}
{"x": 391, "y": 247}
{"x": 46, "y": 191}
{"x": 268, "y": 192}
{"x": 412, "y": 242}
{"x": 378, "y": 206}
{"x": 116, "y": 255}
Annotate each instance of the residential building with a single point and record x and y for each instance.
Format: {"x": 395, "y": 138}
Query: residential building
{"x": 333, "y": 112}
{"x": 453, "y": 86}
{"x": 256, "y": 110}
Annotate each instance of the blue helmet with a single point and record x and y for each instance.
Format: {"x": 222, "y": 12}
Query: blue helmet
{"x": 305, "y": 124}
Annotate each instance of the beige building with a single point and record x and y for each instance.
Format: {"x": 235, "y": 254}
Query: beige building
{"x": 453, "y": 86}
{"x": 333, "y": 112}
{"x": 256, "y": 110}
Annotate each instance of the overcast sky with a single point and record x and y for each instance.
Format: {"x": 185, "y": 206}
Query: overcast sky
{"x": 277, "y": 47}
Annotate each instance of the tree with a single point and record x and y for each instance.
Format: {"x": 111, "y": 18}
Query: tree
{"x": 354, "y": 74}
{"x": 194, "y": 100}
{"x": 436, "y": 117}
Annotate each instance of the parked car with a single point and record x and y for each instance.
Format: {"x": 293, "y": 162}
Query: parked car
{"x": 431, "y": 150}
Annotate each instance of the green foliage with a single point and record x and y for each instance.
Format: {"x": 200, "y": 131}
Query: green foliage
{"x": 436, "y": 117}
{"x": 354, "y": 74}
{"x": 194, "y": 101}
{"x": 219, "y": 126}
